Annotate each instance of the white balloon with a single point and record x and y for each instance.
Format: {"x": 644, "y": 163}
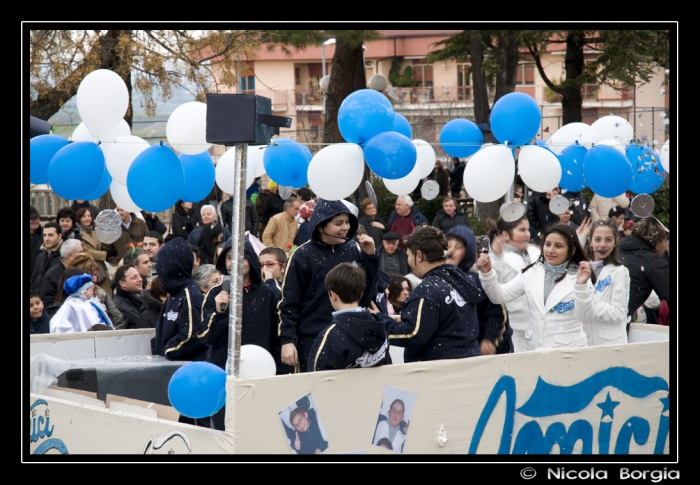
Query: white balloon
{"x": 404, "y": 185}
{"x": 255, "y": 159}
{"x": 489, "y": 173}
{"x": 323, "y": 83}
{"x": 539, "y": 168}
{"x": 378, "y": 82}
{"x": 336, "y": 171}
{"x": 81, "y": 132}
{"x": 120, "y": 153}
{"x": 256, "y": 362}
{"x": 614, "y": 144}
{"x": 425, "y": 157}
{"x": 121, "y": 197}
{"x": 608, "y": 128}
{"x": 102, "y": 101}
{"x": 186, "y": 128}
{"x": 565, "y": 136}
{"x": 225, "y": 172}
{"x": 665, "y": 155}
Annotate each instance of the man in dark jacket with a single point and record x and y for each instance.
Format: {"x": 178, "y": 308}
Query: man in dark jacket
{"x": 175, "y": 331}
{"x": 449, "y": 217}
{"x": 49, "y": 283}
{"x": 357, "y": 337}
{"x": 49, "y": 255}
{"x": 457, "y": 177}
{"x": 392, "y": 258}
{"x": 251, "y": 216}
{"x": 126, "y": 299}
{"x": 305, "y": 309}
{"x": 36, "y": 237}
{"x": 274, "y": 203}
{"x": 405, "y": 218}
{"x": 539, "y": 215}
{"x": 438, "y": 319}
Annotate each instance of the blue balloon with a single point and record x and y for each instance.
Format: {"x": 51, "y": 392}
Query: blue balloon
{"x": 540, "y": 142}
{"x": 102, "y": 188}
{"x": 198, "y": 389}
{"x": 364, "y": 114}
{"x": 155, "y": 179}
{"x": 461, "y": 138}
{"x": 42, "y": 148}
{"x": 571, "y": 161}
{"x": 390, "y": 155}
{"x": 647, "y": 173}
{"x": 200, "y": 175}
{"x": 607, "y": 171}
{"x": 515, "y": 119}
{"x": 287, "y": 161}
{"x": 401, "y": 125}
{"x": 76, "y": 170}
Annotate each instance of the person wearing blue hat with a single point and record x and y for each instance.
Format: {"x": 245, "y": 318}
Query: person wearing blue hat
{"x": 79, "y": 311}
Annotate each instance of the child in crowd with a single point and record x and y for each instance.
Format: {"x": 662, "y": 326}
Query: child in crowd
{"x": 38, "y": 320}
{"x": 78, "y": 313}
{"x": 274, "y": 262}
{"x": 259, "y": 314}
{"x": 357, "y": 337}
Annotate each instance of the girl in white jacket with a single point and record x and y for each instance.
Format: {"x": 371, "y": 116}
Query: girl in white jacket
{"x": 555, "y": 311}
{"x": 605, "y": 322}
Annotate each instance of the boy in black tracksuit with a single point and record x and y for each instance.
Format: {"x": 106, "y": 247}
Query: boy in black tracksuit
{"x": 357, "y": 337}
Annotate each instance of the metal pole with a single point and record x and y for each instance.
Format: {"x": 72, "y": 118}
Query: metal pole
{"x": 235, "y": 308}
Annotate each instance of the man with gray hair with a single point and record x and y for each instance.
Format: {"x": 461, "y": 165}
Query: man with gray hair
{"x": 49, "y": 283}
{"x": 282, "y": 228}
{"x": 405, "y": 218}
{"x": 209, "y": 218}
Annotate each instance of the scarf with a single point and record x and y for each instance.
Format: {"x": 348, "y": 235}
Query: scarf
{"x": 551, "y": 273}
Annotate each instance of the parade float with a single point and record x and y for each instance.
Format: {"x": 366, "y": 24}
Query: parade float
{"x": 104, "y": 393}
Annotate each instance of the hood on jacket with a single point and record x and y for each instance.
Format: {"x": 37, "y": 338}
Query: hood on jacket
{"x": 460, "y": 281}
{"x": 150, "y": 302}
{"x": 364, "y": 328}
{"x": 328, "y": 209}
{"x": 632, "y": 243}
{"x": 248, "y": 253}
{"x": 174, "y": 262}
{"x": 466, "y": 235}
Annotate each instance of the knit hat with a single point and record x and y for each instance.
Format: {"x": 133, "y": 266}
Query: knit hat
{"x": 307, "y": 208}
{"x": 77, "y": 284}
{"x": 272, "y": 185}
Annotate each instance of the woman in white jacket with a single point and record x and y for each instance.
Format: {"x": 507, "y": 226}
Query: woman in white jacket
{"x": 510, "y": 252}
{"x": 555, "y": 311}
{"x": 605, "y": 322}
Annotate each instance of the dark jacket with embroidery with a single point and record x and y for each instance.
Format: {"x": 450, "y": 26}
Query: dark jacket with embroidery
{"x": 305, "y": 308}
{"x": 40, "y": 325}
{"x": 438, "y": 319}
{"x": 492, "y": 317}
{"x": 175, "y": 330}
{"x": 259, "y": 313}
{"x": 355, "y": 339}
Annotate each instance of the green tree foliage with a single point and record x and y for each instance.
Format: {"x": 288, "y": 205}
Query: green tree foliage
{"x": 400, "y": 79}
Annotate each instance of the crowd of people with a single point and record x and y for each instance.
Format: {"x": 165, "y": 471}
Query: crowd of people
{"x": 328, "y": 285}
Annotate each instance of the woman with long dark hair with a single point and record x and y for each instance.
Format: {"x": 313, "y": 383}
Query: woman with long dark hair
{"x": 209, "y": 238}
{"x": 185, "y": 218}
{"x": 399, "y": 288}
{"x": 555, "y": 304}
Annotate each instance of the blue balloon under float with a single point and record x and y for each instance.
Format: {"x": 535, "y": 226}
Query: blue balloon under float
{"x": 364, "y": 114}
{"x": 571, "y": 161}
{"x": 515, "y": 119}
{"x": 287, "y": 162}
{"x": 390, "y": 155}
{"x": 461, "y": 138}
{"x": 200, "y": 175}
{"x": 155, "y": 179}
{"x": 198, "y": 389}
{"x": 42, "y": 148}
{"x": 76, "y": 170}
{"x": 607, "y": 171}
